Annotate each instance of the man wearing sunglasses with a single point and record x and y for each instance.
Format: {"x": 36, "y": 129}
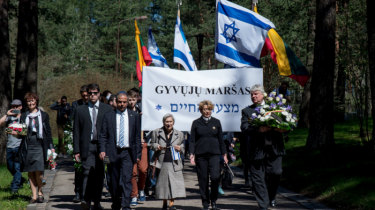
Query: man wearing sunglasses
{"x": 88, "y": 120}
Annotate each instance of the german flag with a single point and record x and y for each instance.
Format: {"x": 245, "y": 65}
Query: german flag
{"x": 143, "y": 57}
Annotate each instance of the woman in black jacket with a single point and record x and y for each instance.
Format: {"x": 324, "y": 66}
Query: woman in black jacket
{"x": 32, "y": 153}
{"x": 206, "y": 146}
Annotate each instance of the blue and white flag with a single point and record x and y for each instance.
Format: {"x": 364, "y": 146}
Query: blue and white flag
{"x": 175, "y": 154}
{"x": 182, "y": 53}
{"x": 240, "y": 34}
{"x": 157, "y": 58}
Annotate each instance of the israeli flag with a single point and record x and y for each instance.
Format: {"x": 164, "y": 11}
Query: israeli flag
{"x": 157, "y": 58}
{"x": 182, "y": 53}
{"x": 240, "y": 34}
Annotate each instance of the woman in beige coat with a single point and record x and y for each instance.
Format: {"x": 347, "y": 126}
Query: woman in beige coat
{"x": 170, "y": 181}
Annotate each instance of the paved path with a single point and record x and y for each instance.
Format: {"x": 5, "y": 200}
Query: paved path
{"x": 236, "y": 196}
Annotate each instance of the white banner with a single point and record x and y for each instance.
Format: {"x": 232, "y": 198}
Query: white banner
{"x": 179, "y": 93}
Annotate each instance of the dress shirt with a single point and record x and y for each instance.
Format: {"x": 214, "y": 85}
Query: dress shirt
{"x": 126, "y": 129}
{"x": 207, "y": 118}
{"x": 91, "y": 106}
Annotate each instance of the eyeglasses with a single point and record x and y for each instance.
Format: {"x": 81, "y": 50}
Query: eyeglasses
{"x": 207, "y": 110}
{"x": 95, "y": 93}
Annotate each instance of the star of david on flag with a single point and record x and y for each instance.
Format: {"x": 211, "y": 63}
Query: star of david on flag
{"x": 228, "y": 34}
{"x": 240, "y": 35}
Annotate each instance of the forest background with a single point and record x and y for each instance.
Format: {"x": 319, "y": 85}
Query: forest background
{"x": 76, "y": 45}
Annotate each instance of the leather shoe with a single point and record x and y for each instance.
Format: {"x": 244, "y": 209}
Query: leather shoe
{"x": 273, "y": 203}
{"x": 85, "y": 206}
{"x": 97, "y": 206}
{"x": 77, "y": 198}
{"x": 213, "y": 205}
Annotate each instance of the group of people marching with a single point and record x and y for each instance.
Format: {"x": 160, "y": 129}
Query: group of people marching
{"x": 109, "y": 132}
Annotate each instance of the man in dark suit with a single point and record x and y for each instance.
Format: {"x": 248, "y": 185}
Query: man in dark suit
{"x": 84, "y": 98}
{"x": 120, "y": 139}
{"x": 78, "y": 176}
{"x": 265, "y": 150}
{"x": 87, "y": 124}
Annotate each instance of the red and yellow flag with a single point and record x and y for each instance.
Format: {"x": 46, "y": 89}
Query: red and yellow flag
{"x": 143, "y": 57}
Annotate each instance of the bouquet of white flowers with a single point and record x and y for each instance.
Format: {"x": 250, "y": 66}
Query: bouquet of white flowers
{"x": 275, "y": 113}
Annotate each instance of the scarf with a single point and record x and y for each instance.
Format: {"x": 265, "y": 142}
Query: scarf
{"x": 39, "y": 116}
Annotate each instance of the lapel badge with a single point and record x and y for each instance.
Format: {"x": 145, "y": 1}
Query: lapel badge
{"x": 213, "y": 128}
{"x": 131, "y": 115}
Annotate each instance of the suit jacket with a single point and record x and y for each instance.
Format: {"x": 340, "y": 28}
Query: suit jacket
{"x": 108, "y": 136}
{"x": 82, "y": 127}
{"x": 47, "y": 142}
{"x": 159, "y": 138}
{"x": 257, "y": 140}
{"x": 207, "y": 137}
{"x": 75, "y": 104}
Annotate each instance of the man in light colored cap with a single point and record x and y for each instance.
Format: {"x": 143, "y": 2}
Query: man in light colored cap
{"x": 13, "y": 116}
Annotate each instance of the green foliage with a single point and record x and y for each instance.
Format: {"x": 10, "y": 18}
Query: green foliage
{"x": 338, "y": 177}
{"x": 7, "y": 200}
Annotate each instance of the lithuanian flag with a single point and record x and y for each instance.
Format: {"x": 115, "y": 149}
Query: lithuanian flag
{"x": 143, "y": 57}
{"x": 287, "y": 61}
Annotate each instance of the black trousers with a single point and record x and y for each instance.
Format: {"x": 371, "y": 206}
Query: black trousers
{"x": 244, "y": 157}
{"x": 121, "y": 171}
{"x": 265, "y": 174}
{"x": 208, "y": 166}
{"x": 93, "y": 175}
{"x": 78, "y": 180}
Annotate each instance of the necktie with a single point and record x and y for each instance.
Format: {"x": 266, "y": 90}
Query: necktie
{"x": 121, "y": 141}
{"x": 94, "y": 132}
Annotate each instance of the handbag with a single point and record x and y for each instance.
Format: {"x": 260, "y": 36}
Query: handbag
{"x": 226, "y": 176}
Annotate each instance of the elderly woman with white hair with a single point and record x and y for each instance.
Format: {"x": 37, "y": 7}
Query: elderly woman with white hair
{"x": 264, "y": 151}
{"x": 168, "y": 144}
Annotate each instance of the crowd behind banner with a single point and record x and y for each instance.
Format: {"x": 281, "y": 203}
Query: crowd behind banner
{"x": 107, "y": 131}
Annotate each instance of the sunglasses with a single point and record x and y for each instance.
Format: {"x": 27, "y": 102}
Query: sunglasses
{"x": 95, "y": 93}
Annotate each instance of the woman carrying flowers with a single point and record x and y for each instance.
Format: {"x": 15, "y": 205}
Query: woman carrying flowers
{"x": 32, "y": 154}
{"x": 263, "y": 124}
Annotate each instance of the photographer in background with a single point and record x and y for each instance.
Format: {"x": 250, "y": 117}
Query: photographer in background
{"x": 13, "y": 116}
{"x": 63, "y": 115}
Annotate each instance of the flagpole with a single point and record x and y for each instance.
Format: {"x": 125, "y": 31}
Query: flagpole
{"x": 118, "y": 39}
{"x": 178, "y": 2}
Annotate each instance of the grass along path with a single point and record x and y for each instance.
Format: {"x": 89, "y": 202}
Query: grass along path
{"x": 341, "y": 178}
{"x": 7, "y": 200}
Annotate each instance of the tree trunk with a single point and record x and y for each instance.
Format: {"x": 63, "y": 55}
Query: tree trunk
{"x": 371, "y": 54}
{"x": 342, "y": 64}
{"x": 305, "y": 103}
{"x": 5, "y": 78}
{"x": 322, "y": 87}
{"x": 27, "y": 49}
{"x": 32, "y": 75}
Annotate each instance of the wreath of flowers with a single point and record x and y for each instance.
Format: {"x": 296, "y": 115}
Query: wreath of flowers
{"x": 274, "y": 113}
